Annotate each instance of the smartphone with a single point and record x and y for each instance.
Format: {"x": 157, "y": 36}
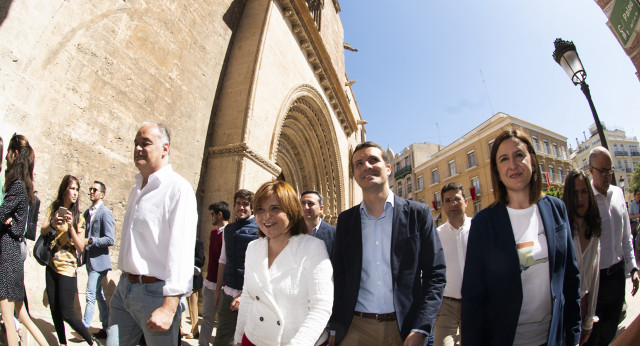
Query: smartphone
{"x": 62, "y": 211}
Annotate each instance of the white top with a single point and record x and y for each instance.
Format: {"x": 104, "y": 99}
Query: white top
{"x": 533, "y": 252}
{"x": 159, "y": 231}
{"x": 290, "y": 302}
{"x": 615, "y": 241}
{"x": 454, "y": 244}
{"x": 589, "y": 276}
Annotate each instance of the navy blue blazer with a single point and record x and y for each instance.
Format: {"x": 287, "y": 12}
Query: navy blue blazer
{"x": 326, "y": 233}
{"x": 492, "y": 287}
{"x": 100, "y": 228}
{"x": 417, "y": 268}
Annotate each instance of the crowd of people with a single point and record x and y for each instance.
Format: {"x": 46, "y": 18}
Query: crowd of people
{"x": 530, "y": 269}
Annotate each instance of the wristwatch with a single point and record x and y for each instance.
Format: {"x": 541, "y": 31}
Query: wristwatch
{"x": 90, "y": 241}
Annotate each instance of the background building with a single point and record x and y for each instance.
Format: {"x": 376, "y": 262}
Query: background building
{"x": 466, "y": 161}
{"x": 403, "y": 180}
{"x": 624, "y": 150}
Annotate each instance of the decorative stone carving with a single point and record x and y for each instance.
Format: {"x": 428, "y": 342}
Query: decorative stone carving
{"x": 243, "y": 149}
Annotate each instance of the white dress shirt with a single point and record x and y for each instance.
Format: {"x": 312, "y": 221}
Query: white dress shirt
{"x": 615, "y": 241}
{"x": 454, "y": 244}
{"x": 159, "y": 231}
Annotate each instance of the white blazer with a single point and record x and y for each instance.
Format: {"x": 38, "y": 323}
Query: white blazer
{"x": 289, "y": 303}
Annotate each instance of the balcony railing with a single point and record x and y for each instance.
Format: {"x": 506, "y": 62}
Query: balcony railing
{"x": 629, "y": 170}
{"x": 402, "y": 172}
{"x": 621, "y": 153}
{"x": 635, "y": 153}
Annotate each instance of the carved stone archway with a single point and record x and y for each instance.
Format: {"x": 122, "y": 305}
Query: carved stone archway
{"x": 305, "y": 148}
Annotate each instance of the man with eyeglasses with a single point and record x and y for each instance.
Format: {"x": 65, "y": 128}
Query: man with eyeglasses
{"x": 99, "y": 235}
{"x": 236, "y": 237}
{"x": 453, "y": 236}
{"x": 616, "y": 250}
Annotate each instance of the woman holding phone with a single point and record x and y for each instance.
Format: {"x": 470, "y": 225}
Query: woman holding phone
{"x": 67, "y": 223}
{"x": 13, "y": 218}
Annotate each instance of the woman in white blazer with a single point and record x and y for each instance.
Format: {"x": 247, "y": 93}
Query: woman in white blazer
{"x": 288, "y": 286}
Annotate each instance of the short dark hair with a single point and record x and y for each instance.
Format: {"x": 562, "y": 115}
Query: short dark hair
{"x": 244, "y": 194}
{"x": 364, "y": 145}
{"x": 221, "y": 207}
{"x": 320, "y": 198}
{"x": 103, "y": 188}
{"x": 535, "y": 184}
{"x": 452, "y": 186}
{"x": 636, "y": 191}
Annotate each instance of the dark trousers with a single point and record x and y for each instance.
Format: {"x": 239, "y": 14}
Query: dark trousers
{"x": 61, "y": 291}
{"x": 609, "y": 305}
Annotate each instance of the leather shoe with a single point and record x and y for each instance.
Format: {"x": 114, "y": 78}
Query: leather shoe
{"x": 101, "y": 334}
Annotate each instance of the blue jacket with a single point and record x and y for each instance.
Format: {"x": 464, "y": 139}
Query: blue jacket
{"x": 237, "y": 237}
{"x": 417, "y": 268}
{"x": 492, "y": 287}
{"x": 326, "y": 233}
{"x": 100, "y": 228}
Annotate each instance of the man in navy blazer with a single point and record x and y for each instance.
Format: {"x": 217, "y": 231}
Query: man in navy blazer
{"x": 388, "y": 263}
{"x": 99, "y": 236}
{"x": 312, "y": 206}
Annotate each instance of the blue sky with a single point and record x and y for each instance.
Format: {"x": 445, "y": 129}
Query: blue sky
{"x": 422, "y": 63}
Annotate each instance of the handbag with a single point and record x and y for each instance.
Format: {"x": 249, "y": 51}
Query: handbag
{"x": 41, "y": 250}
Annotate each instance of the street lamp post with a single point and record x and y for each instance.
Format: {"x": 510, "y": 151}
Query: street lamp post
{"x": 567, "y": 57}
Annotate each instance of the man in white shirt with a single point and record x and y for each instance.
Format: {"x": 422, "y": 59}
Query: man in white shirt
{"x": 616, "y": 251}
{"x": 156, "y": 247}
{"x": 453, "y": 236}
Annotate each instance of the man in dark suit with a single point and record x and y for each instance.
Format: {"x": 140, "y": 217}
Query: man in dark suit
{"x": 99, "y": 236}
{"x": 388, "y": 263}
{"x": 312, "y": 206}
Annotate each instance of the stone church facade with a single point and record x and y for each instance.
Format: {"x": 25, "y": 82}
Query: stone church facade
{"x": 251, "y": 91}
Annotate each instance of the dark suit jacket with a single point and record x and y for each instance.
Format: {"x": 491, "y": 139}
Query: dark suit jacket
{"x": 417, "y": 268}
{"x": 326, "y": 233}
{"x": 492, "y": 287}
{"x": 100, "y": 228}
{"x": 198, "y": 261}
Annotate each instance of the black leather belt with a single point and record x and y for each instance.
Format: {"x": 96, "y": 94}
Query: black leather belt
{"x": 141, "y": 279}
{"x": 612, "y": 269}
{"x": 391, "y": 316}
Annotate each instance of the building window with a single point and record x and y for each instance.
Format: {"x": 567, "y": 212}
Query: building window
{"x": 568, "y": 171}
{"x": 476, "y": 207}
{"x": 471, "y": 159}
{"x": 560, "y": 174}
{"x": 452, "y": 168}
{"x": 436, "y": 197}
{"x": 475, "y": 182}
{"x": 491, "y": 144}
{"x": 551, "y": 173}
{"x": 407, "y": 163}
{"x": 409, "y": 187}
{"x": 546, "y": 146}
{"x": 399, "y": 191}
{"x": 541, "y": 169}
{"x": 564, "y": 153}
{"x": 434, "y": 176}
{"x": 555, "y": 150}
{"x": 397, "y": 166}
{"x": 420, "y": 183}
{"x": 535, "y": 143}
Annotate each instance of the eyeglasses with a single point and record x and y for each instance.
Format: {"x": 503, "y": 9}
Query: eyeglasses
{"x": 605, "y": 171}
{"x": 93, "y": 189}
{"x": 457, "y": 199}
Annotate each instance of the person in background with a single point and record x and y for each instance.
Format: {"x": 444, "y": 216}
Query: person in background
{"x": 65, "y": 220}
{"x": 634, "y": 215}
{"x": 99, "y": 237}
{"x": 18, "y": 196}
{"x": 584, "y": 217}
{"x": 313, "y": 205}
{"x": 521, "y": 284}
{"x": 1, "y": 157}
{"x": 192, "y": 300}
{"x": 220, "y": 214}
{"x": 616, "y": 251}
{"x": 453, "y": 236}
{"x": 287, "y": 293}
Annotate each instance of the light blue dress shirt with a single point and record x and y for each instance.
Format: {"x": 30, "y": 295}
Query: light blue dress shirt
{"x": 634, "y": 208}
{"x": 376, "y": 284}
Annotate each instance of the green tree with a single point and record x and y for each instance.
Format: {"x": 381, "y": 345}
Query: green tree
{"x": 635, "y": 179}
{"x": 554, "y": 191}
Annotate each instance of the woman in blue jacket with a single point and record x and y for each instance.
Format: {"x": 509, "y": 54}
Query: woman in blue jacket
{"x": 521, "y": 284}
